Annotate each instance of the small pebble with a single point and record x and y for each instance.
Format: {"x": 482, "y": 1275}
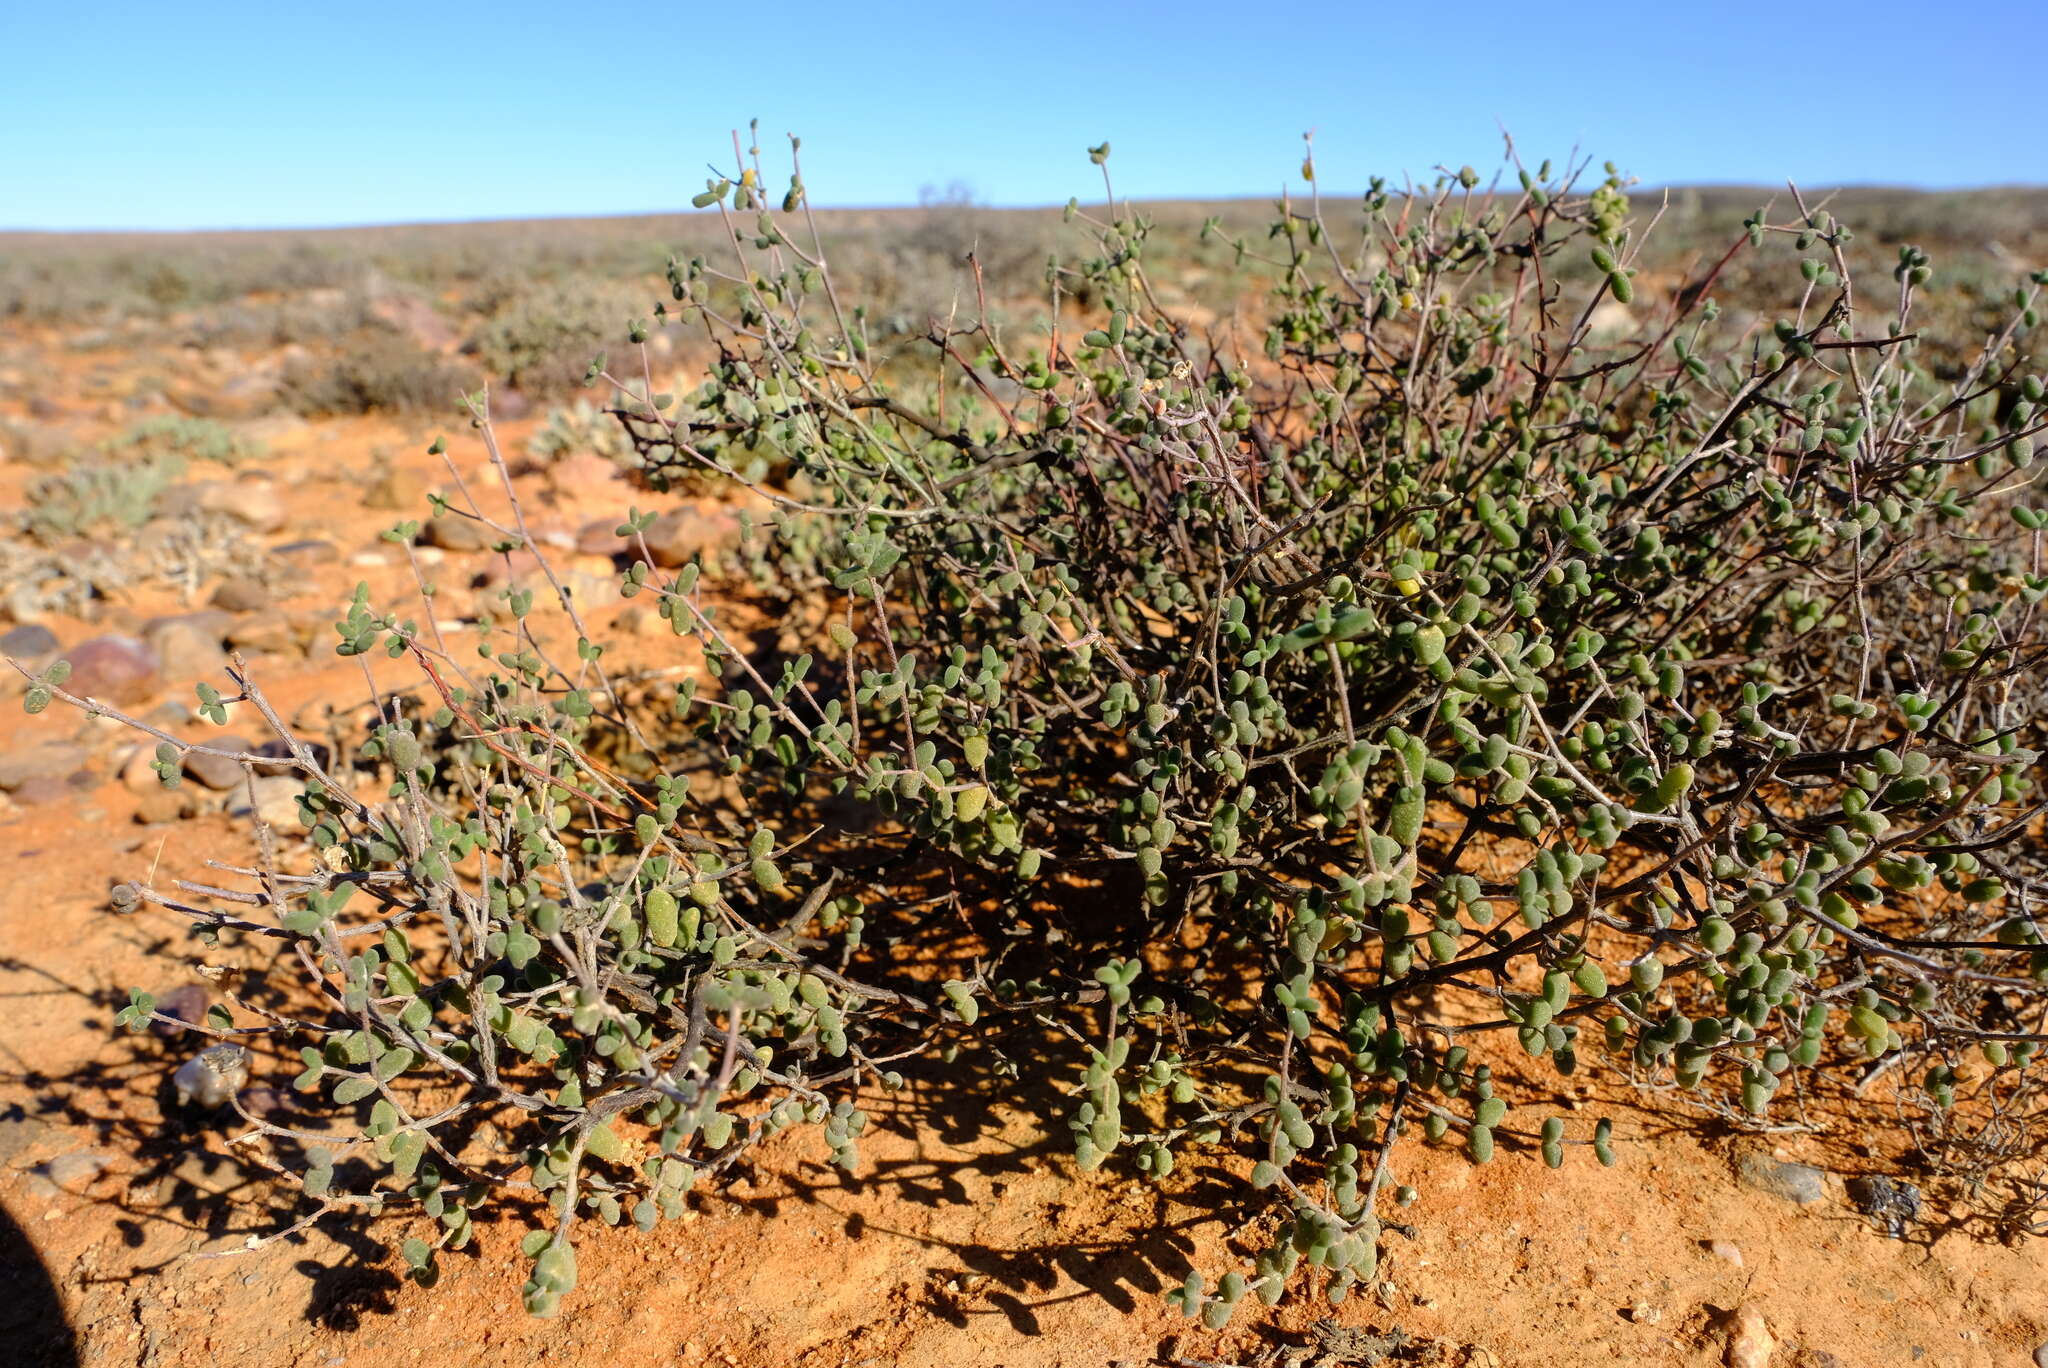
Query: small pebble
{"x": 1750, "y": 1343}
{"x": 212, "y": 1076}
{"x": 30, "y": 642}
{"x": 1726, "y": 1249}
{"x": 1799, "y": 1183}
{"x": 72, "y": 1170}
{"x": 187, "y": 1002}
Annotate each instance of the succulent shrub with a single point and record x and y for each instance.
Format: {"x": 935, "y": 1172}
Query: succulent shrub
{"x": 576, "y": 429}
{"x": 192, "y": 439}
{"x": 539, "y": 336}
{"x": 1330, "y": 730}
{"x": 119, "y": 490}
{"x": 380, "y": 370}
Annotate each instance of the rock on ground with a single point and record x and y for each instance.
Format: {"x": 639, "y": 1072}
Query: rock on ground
{"x": 46, "y": 760}
{"x": 256, "y": 505}
{"x": 31, "y": 643}
{"x": 681, "y": 535}
{"x": 395, "y": 491}
{"x": 451, "y": 532}
{"x": 217, "y": 772}
{"x": 162, "y": 805}
{"x": 188, "y": 647}
{"x": 307, "y": 551}
{"x": 1750, "y": 1343}
{"x": 114, "y": 669}
{"x": 187, "y": 1002}
{"x": 600, "y": 537}
{"x": 1801, "y": 1183}
{"x": 276, "y": 803}
{"x": 241, "y": 594}
{"x": 271, "y": 631}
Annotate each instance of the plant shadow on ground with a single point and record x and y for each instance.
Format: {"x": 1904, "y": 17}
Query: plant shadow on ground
{"x": 974, "y": 1127}
{"x": 184, "y": 1192}
{"x": 180, "y": 1193}
{"x": 33, "y": 1330}
{"x": 967, "y": 1161}
{"x": 981, "y": 1127}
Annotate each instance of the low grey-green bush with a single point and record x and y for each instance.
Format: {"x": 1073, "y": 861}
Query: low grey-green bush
{"x": 380, "y": 370}
{"x": 118, "y": 491}
{"x": 539, "y": 338}
{"x": 192, "y": 439}
{"x": 1333, "y": 728}
{"x": 577, "y": 429}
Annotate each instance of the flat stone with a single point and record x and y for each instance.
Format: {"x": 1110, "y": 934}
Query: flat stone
{"x": 114, "y": 669}
{"x": 416, "y": 318}
{"x": 272, "y": 631}
{"x": 681, "y": 535}
{"x": 279, "y": 756}
{"x": 164, "y": 805}
{"x": 29, "y": 643}
{"x": 600, "y": 537}
{"x": 188, "y": 649}
{"x": 241, "y": 594}
{"x": 217, "y": 772}
{"x": 396, "y": 491}
{"x": 245, "y": 395}
{"x": 640, "y": 621}
{"x": 276, "y": 803}
{"x": 213, "y": 622}
{"x": 266, "y": 1103}
{"x": 585, "y": 470}
{"x": 187, "y": 1002}
{"x": 73, "y": 1170}
{"x": 519, "y": 568}
{"x": 256, "y": 505}
{"x": 138, "y": 769}
{"x": 1800, "y": 1183}
{"x": 307, "y": 551}
{"x": 453, "y": 533}
{"x": 588, "y": 590}
{"x": 18, "y": 1132}
{"x": 42, "y": 790}
{"x": 44, "y": 760}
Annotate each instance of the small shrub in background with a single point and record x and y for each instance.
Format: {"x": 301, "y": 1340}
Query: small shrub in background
{"x": 190, "y": 439}
{"x": 118, "y": 493}
{"x": 578, "y": 429}
{"x": 1295, "y": 737}
{"x": 379, "y": 371}
{"x": 538, "y": 338}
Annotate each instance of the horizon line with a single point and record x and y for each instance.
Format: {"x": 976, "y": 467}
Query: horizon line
{"x": 362, "y": 225}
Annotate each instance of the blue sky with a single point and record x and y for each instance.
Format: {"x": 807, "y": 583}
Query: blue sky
{"x": 124, "y": 115}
